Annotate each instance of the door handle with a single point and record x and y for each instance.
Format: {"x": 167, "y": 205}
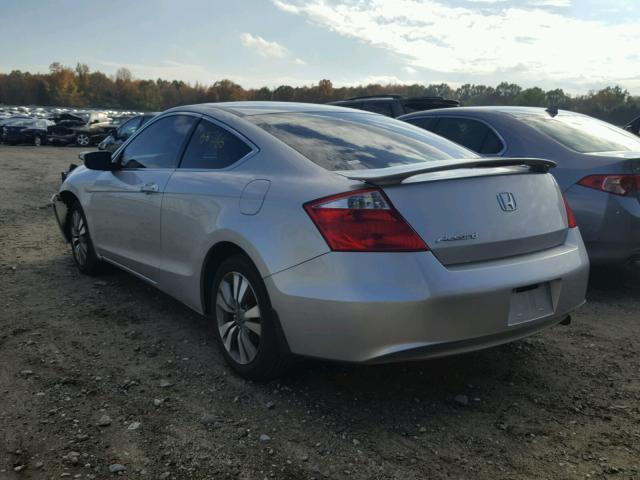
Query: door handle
{"x": 150, "y": 188}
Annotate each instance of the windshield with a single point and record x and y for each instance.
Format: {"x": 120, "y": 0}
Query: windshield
{"x": 582, "y": 133}
{"x": 357, "y": 141}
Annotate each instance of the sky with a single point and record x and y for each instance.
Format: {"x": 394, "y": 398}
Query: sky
{"x": 577, "y": 45}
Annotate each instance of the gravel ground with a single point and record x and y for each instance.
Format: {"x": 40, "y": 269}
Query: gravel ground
{"x": 106, "y": 377}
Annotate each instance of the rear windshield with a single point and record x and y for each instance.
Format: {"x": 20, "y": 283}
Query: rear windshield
{"x": 583, "y": 134}
{"x": 357, "y": 141}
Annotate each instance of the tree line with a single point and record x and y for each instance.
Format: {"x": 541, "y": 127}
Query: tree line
{"x": 79, "y": 87}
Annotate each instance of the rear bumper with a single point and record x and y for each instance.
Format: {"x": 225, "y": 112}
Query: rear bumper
{"x": 373, "y": 308}
{"x": 610, "y": 224}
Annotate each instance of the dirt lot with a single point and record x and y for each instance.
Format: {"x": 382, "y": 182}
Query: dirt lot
{"x": 76, "y": 350}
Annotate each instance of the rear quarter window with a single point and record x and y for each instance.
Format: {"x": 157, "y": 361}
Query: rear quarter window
{"x": 473, "y": 134}
{"x": 213, "y": 147}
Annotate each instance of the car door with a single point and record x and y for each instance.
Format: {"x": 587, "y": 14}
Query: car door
{"x": 201, "y": 191}
{"x": 126, "y": 203}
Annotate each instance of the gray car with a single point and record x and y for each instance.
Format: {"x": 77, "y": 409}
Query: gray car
{"x": 328, "y": 232}
{"x": 598, "y": 164}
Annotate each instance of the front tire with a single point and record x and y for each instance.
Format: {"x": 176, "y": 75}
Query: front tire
{"x": 37, "y": 141}
{"x": 244, "y": 323}
{"x": 84, "y": 255}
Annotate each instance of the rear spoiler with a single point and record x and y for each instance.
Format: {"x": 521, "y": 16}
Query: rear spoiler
{"x": 391, "y": 175}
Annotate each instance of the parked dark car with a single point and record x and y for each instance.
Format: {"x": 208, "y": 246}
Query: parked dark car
{"x": 25, "y": 130}
{"x": 9, "y": 119}
{"x": 124, "y": 131}
{"x": 395, "y": 105}
{"x": 598, "y": 164}
{"x": 82, "y": 129}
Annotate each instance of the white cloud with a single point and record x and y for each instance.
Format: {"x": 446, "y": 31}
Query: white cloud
{"x": 262, "y": 46}
{"x": 286, "y": 7}
{"x": 551, "y": 3}
{"x": 299, "y": 61}
{"x": 537, "y": 44}
{"x": 379, "y": 79}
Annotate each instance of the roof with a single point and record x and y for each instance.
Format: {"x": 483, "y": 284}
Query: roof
{"x": 401, "y": 98}
{"x": 243, "y": 109}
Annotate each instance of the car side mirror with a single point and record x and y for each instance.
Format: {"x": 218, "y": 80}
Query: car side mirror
{"x": 99, "y": 160}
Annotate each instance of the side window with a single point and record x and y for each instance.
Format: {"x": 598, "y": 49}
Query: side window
{"x": 492, "y": 144}
{"x": 213, "y": 147}
{"x": 470, "y": 133}
{"x": 385, "y": 108}
{"x": 129, "y": 127}
{"x": 145, "y": 119}
{"x": 426, "y": 123}
{"x": 159, "y": 145}
{"x": 356, "y": 105}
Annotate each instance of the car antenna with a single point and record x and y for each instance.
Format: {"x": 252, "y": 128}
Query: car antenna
{"x": 552, "y": 110}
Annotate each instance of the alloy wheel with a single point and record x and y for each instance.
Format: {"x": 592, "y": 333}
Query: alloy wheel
{"x": 37, "y": 141}
{"x": 79, "y": 238}
{"x": 83, "y": 140}
{"x": 239, "y": 318}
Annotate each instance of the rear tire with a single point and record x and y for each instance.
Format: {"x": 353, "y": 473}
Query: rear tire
{"x": 83, "y": 140}
{"x": 82, "y": 250}
{"x": 243, "y": 321}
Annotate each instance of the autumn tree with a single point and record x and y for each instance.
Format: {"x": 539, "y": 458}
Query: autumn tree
{"x": 80, "y": 87}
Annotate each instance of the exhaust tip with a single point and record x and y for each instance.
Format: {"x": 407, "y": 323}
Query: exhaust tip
{"x": 566, "y": 321}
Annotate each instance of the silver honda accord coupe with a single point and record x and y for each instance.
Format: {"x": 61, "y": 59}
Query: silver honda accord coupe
{"x": 327, "y": 232}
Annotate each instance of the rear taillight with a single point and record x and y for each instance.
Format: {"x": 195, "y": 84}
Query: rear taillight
{"x": 571, "y": 218}
{"x": 363, "y": 221}
{"x": 617, "y": 184}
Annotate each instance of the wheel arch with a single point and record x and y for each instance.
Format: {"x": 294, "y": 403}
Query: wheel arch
{"x": 62, "y": 208}
{"x": 217, "y": 254}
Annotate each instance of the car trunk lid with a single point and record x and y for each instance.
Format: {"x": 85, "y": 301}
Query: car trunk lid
{"x": 479, "y": 214}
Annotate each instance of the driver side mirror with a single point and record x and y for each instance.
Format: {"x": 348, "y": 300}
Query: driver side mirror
{"x": 99, "y": 160}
